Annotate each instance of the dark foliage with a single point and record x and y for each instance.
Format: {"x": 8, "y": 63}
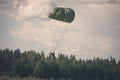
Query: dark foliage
{"x": 36, "y": 64}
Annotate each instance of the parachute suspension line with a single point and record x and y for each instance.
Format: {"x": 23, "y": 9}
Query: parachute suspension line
{"x": 60, "y": 39}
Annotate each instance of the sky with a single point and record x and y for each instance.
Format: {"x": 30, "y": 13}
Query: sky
{"x": 95, "y": 31}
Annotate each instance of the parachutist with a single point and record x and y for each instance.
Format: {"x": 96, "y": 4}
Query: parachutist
{"x": 52, "y": 53}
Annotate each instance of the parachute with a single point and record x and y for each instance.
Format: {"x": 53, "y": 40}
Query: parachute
{"x": 62, "y": 14}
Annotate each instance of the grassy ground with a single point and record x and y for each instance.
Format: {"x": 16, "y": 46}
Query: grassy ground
{"x": 18, "y": 78}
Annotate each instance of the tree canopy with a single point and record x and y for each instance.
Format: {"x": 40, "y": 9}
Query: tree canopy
{"x": 30, "y": 63}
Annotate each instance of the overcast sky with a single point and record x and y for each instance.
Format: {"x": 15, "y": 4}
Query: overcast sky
{"x": 95, "y": 31}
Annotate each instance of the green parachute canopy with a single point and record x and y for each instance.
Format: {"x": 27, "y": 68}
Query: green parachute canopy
{"x": 62, "y": 14}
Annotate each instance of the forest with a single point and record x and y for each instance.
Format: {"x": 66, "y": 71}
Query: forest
{"x": 32, "y": 65}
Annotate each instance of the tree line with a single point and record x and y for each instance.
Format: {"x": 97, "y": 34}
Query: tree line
{"x": 30, "y": 63}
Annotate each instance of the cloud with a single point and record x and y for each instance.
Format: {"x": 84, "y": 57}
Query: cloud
{"x": 88, "y": 2}
{"x": 47, "y": 33}
{"x": 85, "y": 46}
{"x": 30, "y": 33}
{"x": 114, "y": 1}
{"x": 39, "y": 9}
{"x": 35, "y": 9}
{"x": 9, "y": 8}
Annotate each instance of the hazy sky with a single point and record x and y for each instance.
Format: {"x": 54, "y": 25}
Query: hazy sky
{"x": 95, "y": 30}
